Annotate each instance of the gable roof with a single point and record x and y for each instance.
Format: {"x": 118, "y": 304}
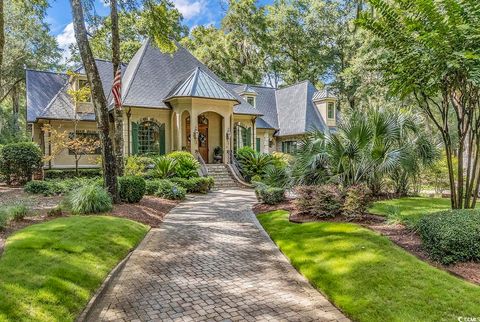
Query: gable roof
{"x": 152, "y": 76}
{"x": 200, "y": 84}
{"x": 42, "y": 87}
{"x": 296, "y": 112}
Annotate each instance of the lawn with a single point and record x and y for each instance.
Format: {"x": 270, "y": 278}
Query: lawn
{"x": 410, "y": 209}
{"x": 49, "y": 271}
{"x": 367, "y": 276}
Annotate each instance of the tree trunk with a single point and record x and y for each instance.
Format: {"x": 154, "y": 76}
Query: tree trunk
{"x": 118, "y": 114}
{"x": 98, "y": 98}
{"x": 2, "y": 37}
{"x": 15, "y": 94}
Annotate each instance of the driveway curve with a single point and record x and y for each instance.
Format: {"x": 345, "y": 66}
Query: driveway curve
{"x": 211, "y": 261}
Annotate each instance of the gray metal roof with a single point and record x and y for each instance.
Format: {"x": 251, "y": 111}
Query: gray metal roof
{"x": 200, "y": 84}
{"x": 324, "y": 94}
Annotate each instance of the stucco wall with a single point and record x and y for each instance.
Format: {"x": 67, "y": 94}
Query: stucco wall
{"x": 265, "y": 137}
{"x": 322, "y": 108}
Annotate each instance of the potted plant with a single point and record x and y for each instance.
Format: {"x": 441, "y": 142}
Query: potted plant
{"x": 217, "y": 154}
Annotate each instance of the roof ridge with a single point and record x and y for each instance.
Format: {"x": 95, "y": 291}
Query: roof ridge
{"x": 53, "y": 99}
{"x": 196, "y": 76}
{"x": 254, "y": 85}
{"x": 44, "y": 71}
{"x": 147, "y": 41}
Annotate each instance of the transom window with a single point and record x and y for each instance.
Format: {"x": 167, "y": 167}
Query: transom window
{"x": 331, "y": 110}
{"x": 148, "y": 138}
{"x": 289, "y": 147}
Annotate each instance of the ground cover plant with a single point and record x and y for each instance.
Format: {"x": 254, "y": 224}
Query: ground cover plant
{"x": 89, "y": 199}
{"x": 50, "y": 270}
{"x": 367, "y": 276}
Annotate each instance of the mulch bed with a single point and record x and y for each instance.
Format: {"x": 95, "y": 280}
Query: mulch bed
{"x": 397, "y": 233}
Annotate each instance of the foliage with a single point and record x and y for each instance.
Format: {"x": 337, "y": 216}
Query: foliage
{"x": 78, "y": 251}
{"x": 4, "y": 218}
{"x": 269, "y": 195}
{"x": 253, "y": 163}
{"x": 186, "y": 166}
{"x": 59, "y": 186}
{"x": 276, "y": 176}
{"x": 195, "y": 185}
{"x": 70, "y": 174}
{"x": 19, "y": 161}
{"x": 357, "y": 201}
{"x": 89, "y": 199}
{"x": 151, "y": 186}
{"x": 349, "y": 262}
{"x": 319, "y": 201}
{"x": 38, "y": 187}
{"x": 164, "y": 167}
{"x": 132, "y": 188}
{"x": 451, "y": 236}
{"x": 432, "y": 54}
{"x": 15, "y": 211}
{"x": 436, "y": 175}
{"x": 136, "y": 165}
{"x": 169, "y": 190}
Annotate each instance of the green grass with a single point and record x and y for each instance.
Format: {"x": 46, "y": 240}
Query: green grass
{"x": 411, "y": 209}
{"x": 367, "y": 276}
{"x": 49, "y": 271}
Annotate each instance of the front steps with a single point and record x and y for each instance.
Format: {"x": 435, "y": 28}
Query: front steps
{"x": 222, "y": 176}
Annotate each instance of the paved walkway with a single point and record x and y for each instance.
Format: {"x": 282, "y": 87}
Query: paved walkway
{"x": 210, "y": 261}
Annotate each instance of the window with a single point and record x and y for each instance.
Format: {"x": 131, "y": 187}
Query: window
{"x": 150, "y": 138}
{"x": 331, "y": 111}
{"x": 243, "y": 137}
{"x": 251, "y": 100}
{"x": 93, "y": 136}
{"x": 289, "y": 147}
{"x": 81, "y": 84}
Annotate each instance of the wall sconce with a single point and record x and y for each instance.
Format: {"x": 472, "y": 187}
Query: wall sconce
{"x": 195, "y": 134}
{"x": 229, "y": 133}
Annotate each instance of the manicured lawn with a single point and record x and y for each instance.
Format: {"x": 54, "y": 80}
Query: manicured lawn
{"x": 49, "y": 271}
{"x": 411, "y": 209}
{"x": 367, "y": 276}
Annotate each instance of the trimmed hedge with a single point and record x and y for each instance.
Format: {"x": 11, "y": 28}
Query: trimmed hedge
{"x": 269, "y": 195}
{"x": 69, "y": 173}
{"x": 58, "y": 187}
{"x": 38, "y": 187}
{"x": 451, "y": 236}
{"x": 132, "y": 188}
{"x": 169, "y": 190}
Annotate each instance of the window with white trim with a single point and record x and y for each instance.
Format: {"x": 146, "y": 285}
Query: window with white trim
{"x": 331, "y": 111}
{"x": 251, "y": 100}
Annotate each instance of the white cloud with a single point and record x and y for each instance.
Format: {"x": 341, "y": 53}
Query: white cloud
{"x": 65, "y": 39}
{"x": 189, "y": 8}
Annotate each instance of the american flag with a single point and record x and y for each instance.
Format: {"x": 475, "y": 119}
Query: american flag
{"x": 117, "y": 88}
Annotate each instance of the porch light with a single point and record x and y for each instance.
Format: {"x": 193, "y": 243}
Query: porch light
{"x": 195, "y": 134}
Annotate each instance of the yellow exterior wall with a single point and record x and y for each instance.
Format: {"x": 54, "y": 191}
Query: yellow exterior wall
{"x": 322, "y": 108}
{"x": 266, "y": 135}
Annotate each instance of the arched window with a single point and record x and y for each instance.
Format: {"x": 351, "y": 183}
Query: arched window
{"x": 151, "y": 138}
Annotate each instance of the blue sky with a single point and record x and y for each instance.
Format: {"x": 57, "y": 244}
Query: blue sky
{"x": 195, "y": 12}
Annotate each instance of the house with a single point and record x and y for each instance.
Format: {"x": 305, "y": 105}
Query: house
{"x": 174, "y": 102}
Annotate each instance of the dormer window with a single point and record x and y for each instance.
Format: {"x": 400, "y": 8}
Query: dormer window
{"x": 331, "y": 110}
{"x": 251, "y": 100}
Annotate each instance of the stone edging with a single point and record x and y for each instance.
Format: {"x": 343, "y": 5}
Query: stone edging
{"x": 87, "y": 311}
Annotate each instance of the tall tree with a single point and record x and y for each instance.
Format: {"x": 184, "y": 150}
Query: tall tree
{"x": 433, "y": 54}
{"x": 98, "y": 98}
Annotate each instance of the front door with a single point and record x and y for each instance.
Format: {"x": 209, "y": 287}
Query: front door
{"x": 203, "y": 141}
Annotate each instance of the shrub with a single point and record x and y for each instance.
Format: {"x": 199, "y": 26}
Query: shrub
{"x": 132, "y": 188}
{"x": 4, "y": 217}
{"x": 70, "y": 173}
{"x": 320, "y": 201}
{"x": 169, "y": 190}
{"x": 18, "y": 211}
{"x": 269, "y": 195}
{"x": 19, "y": 161}
{"x": 186, "y": 164}
{"x": 164, "y": 167}
{"x": 137, "y": 165}
{"x": 195, "y": 185}
{"x": 253, "y": 163}
{"x": 151, "y": 186}
{"x": 38, "y": 187}
{"x": 89, "y": 199}
{"x": 451, "y": 236}
{"x": 276, "y": 176}
{"x": 357, "y": 200}
{"x": 55, "y": 212}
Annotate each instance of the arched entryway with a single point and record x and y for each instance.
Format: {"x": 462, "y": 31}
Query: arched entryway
{"x": 207, "y": 135}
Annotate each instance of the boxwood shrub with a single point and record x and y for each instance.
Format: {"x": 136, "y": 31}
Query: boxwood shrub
{"x": 38, "y": 187}
{"x": 70, "y": 173}
{"x": 132, "y": 188}
{"x": 269, "y": 195}
{"x": 169, "y": 190}
{"x": 451, "y": 236}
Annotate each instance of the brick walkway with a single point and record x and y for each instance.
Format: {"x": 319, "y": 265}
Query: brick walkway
{"x": 210, "y": 261}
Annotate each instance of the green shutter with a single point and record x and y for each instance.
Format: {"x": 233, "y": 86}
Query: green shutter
{"x": 162, "y": 139}
{"x": 248, "y": 141}
{"x": 134, "y": 138}
{"x": 257, "y": 144}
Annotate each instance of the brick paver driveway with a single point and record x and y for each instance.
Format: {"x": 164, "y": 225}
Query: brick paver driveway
{"x": 210, "y": 261}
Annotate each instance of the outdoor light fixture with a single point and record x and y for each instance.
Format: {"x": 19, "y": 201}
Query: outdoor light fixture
{"x": 195, "y": 134}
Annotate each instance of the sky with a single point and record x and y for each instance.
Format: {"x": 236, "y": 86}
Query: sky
{"x": 195, "y": 12}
